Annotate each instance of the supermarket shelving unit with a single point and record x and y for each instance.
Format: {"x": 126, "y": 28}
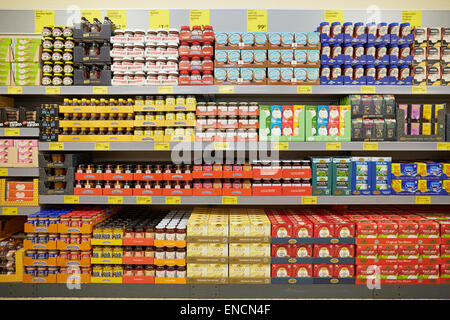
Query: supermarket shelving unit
{"x": 278, "y": 20}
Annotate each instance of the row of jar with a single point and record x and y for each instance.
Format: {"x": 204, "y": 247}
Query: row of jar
{"x": 158, "y": 271}
{"x": 105, "y": 252}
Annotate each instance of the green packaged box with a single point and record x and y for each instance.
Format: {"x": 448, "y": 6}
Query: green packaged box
{"x": 339, "y": 121}
{"x": 321, "y": 176}
{"x": 5, "y": 41}
{"x": 342, "y": 176}
{"x": 292, "y": 123}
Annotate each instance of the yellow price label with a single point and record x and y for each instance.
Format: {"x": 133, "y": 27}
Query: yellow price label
{"x": 414, "y": 17}
{"x": 91, "y": 14}
{"x": 221, "y": 145}
{"x": 72, "y": 199}
{"x": 52, "y": 90}
{"x": 333, "y": 146}
{"x": 159, "y": 19}
{"x": 370, "y": 146}
{"x": 99, "y": 90}
{"x": 9, "y": 211}
{"x": 12, "y": 132}
{"x": 309, "y": 200}
{"x": 226, "y": 89}
{"x": 43, "y": 18}
{"x": 334, "y": 16}
{"x": 256, "y": 20}
{"x": 281, "y": 146}
{"x": 443, "y": 146}
{"x": 15, "y": 90}
{"x": 304, "y": 89}
{"x": 118, "y": 17}
{"x": 423, "y": 200}
{"x": 3, "y": 171}
{"x": 115, "y": 200}
{"x": 143, "y": 200}
{"x": 199, "y": 18}
{"x": 101, "y": 146}
{"x": 368, "y": 89}
{"x": 173, "y": 200}
{"x": 229, "y": 200}
{"x": 162, "y": 146}
{"x": 419, "y": 89}
{"x": 56, "y": 146}
{"x": 165, "y": 89}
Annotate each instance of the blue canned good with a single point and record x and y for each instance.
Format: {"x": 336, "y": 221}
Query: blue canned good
{"x": 53, "y": 253}
{"x": 30, "y": 270}
{"x": 42, "y": 255}
{"x": 52, "y": 237}
{"x": 30, "y": 253}
{"x": 52, "y": 270}
{"x": 43, "y": 220}
{"x": 31, "y": 236}
{"x": 42, "y": 238}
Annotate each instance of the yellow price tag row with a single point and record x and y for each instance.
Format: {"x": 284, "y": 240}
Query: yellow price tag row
{"x": 15, "y": 89}
{"x": 4, "y": 172}
{"x": 43, "y": 18}
{"x": 419, "y": 89}
{"x": 173, "y": 200}
{"x": 9, "y": 211}
{"x": 309, "y": 200}
{"x": 72, "y": 199}
{"x": 56, "y": 146}
{"x": 304, "y": 89}
{"x": 115, "y": 200}
{"x": 333, "y": 146}
{"x": 101, "y": 146}
{"x": 119, "y": 17}
{"x": 143, "y": 200}
{"x": 52, "y": 90}
{"x": 165, "y": 89}
{"x": 229, "y": 200}
{"x": 12, "y": 132}
{"x": 370, "y": 146}
{"x": 414, "y": 17}
{"x": 198, "y": 18}
{"x": 443, "y": 146}
{"x": 423, "y": 200}
{"x": 226, "y": 89}
{"x": 221, "y": 145}
{"x": 91, "y": 14}
{"x": 256, "y": 20}
{"x": 159, "y": 19}
{"x": 99, "y": 90}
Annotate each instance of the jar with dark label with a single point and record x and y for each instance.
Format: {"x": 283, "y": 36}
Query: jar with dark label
{"x": 160, "y": 271}
{"x": 403, "y": 72}
{"x": 57, "y": 31}
{"x": 149, "y": 271}
{"x": 347, "y": 71}
{"x": 380, "y": 72}
{"x": 128, "y": 271}
{"x": 160, "y": 253}
{"x": 336, "y": 50}
{"x": 58, "y": 66}
{"x": 335, "y": 72}
{"x": 180, "y": 253}
{"x": 380, "y": 51}
{"x": 358, "y": 29}
{"x": 170, "y": 272}
{"x": 46, "y": 55}
{"x": 325, "y": 72}
{"x": 149, "y": 252}
{"x": 170, "y": 253}
{"x": 57, "y": 55}
{"x": 358, "y": 51}
{"x": 128, "y": 251}
{"x": 358, "y": 72}
{"x": 58, "y": 43}
{"x": 139, "y": 271}
{"x": 68, "y": 79}
{"x": 47, "y": 79}
{"x": 370, "y": 50}
{"x": 47, "y": 43}
{"x": 47, "y": 31}
{"x": 57, "y": 79}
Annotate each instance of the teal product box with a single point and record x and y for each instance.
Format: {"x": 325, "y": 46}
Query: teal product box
{"x": 430, "y": 187}
{"x": 321, "y": 176}
{"x": 322, "y": 120}
{"x": 361, "y": 178}
{"x": 404, "y": 170}
{"x": 276, "y": 121}
{"x": 381, "y": 175}
{"x": 404, "y": 187}
{"x": 342, "y": 176}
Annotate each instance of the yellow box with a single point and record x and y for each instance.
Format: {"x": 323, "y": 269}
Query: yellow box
{"x": 427, "y": 110}
{"x": 260, "y": 250}
{"x": 239, "y": 270}
{"x": 217, "y": 228}
{"x": 197, "y": 228}
{"x": 197, "y": 250}
{"x": 239, "y": 250}
{"x": 217, "y": 250}
{"x": 196, "y": 270}
{"x": 77, "y": 109}
{"x": 343, "y": 111}
{"x": 260, "y": 228}
{"x": 260, "y": 270}
{"x": 217, "y": 270}
{"x": 239, "y": 228}
{"x": 114, "y": 109}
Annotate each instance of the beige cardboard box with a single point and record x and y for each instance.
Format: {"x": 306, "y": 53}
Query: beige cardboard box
{"x": 217, "y": 228}
{"x": 217, "y": 270}
{"x": 239, "y": 250}
{"x": 197, "y": 250}
{"x": 260, "y": 250}
{"x": 260, "y": 228}
{"x": 217, "y": 250}
{"x": 195, "y": 270}
{"x": 239, "y": 270}
{"x": 260, "y": 270}
{"x": 197, "y": 228}
{"x": 239, "y": 228}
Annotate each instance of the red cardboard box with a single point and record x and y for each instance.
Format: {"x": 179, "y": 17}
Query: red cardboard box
{"x": 387, "y": 229}
{"x": 445, "y": 270}
{"x": 281, "y": 250}
{"x": 363, "y": 271}
{"x": 302, "y": 270}
{"x": 445, "y": 229}
{"x": 445, "y": 253}
{"x": 324, "y": 250}
{"x": 387, "y": 251}
{"x": 281, "y": 270}
{"x": 429, "y": 250}
{"x": 323, "y": 270}
{"x": 408, "y": 229}
{"x": 301, "y": 250}
{"x": 344, "y": 250}
{"x": 408, "y": 272}
{"x": 430, "y": 271}
{"x": 428, "y": 229}
{"x": 344, "y": 229}
{"x": 323, "y": 229}
{"x": 368, "y": 251}
{"x": 281, "y": 228}
{"x": 408, "y": 251}
{"x": 388, "y": 271}
{"x": 302, "y": 229}
{"x": 344, "y": 271}
{"x": 366, "y": 229}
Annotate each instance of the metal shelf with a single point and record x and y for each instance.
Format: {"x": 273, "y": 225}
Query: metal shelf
{"x": 23, "y": 132}
{"x": 311, "y": 291}
{"x": 20, "y": 172}
{"x": 237, "y": 89}
{"x": 21, "y": 211}
{"x": 253, "y": 200}
{"x": 240, "y": 146}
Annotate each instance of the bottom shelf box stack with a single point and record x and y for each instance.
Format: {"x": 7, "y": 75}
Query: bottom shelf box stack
{"x": 106, "y": 280}
{"x": 170, "y": 280}
{"x": 51, "y": 278}
{"x": 135, "y": 279}
{"x": 207, "y": 280}
{"x": 249, "y": 280}
{"x": 73, "y": 278}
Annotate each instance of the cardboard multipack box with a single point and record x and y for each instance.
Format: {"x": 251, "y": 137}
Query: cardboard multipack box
{"x": 408, "y": 272}
{"x": 367, "y": 251}
{"x": 342, "y": 176}
{"x": 323, "y": 270}
{"x": 27, "y": 49}
{"x": 282, "y": 123}
{"x": 344, "y": 271}
{"x": 322, "y": 174}
{"x": 302, "y": 270}
{"x": 361, "y": 178}
{"x": 281, "y": 270}
{"x": 301, "y": 250}
{"x": 428, "y": 271}
{"x": 380, "y": 168}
